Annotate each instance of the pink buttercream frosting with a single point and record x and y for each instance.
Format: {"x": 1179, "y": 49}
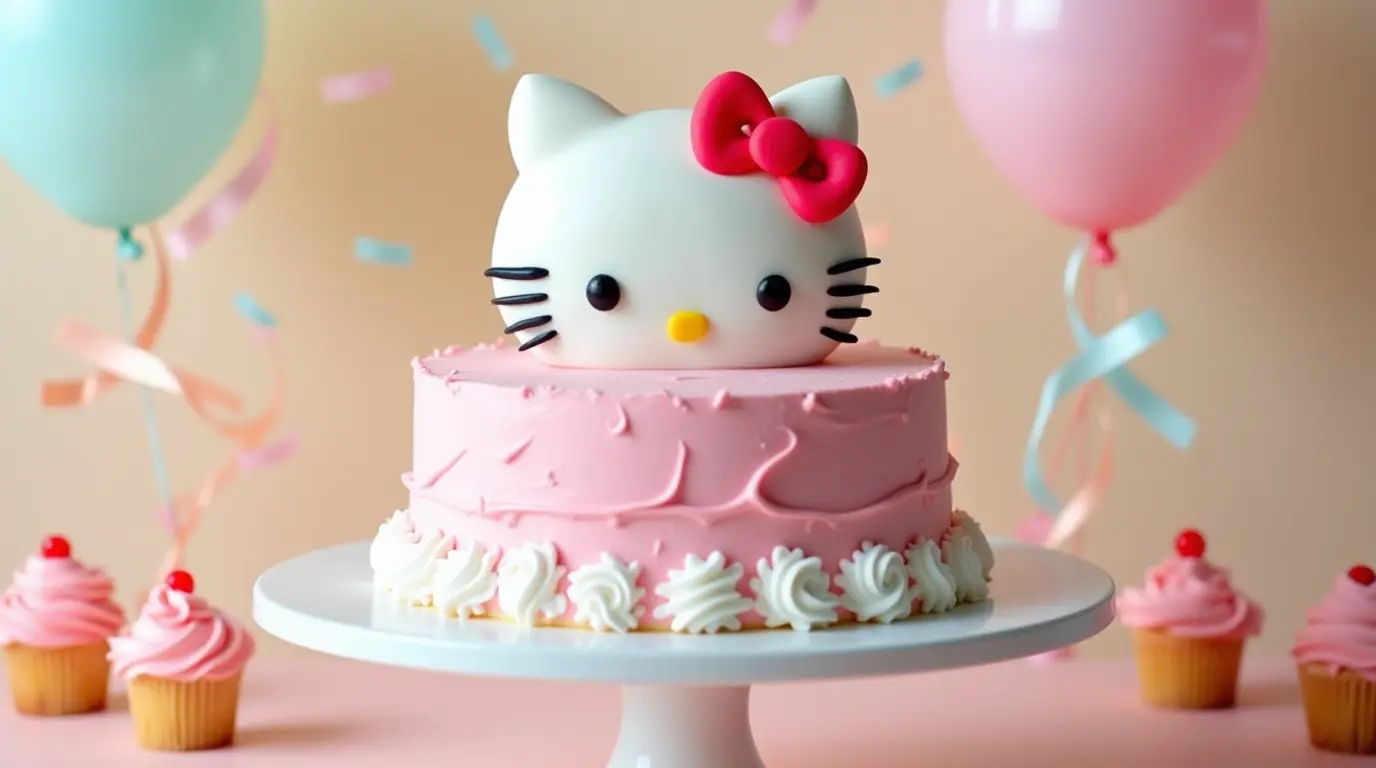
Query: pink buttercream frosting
{"x": 178, "y": 636}
{"x": 1189, "y": 597}
{"x": 56, "y": 602}
{"x": 1341, "y": 633}
{"x": 653, "y": 466}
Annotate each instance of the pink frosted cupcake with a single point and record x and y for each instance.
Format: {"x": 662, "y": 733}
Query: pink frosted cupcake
{"x": 183, "y": 661}
{"x": 1188, "y": 628}
{"x": 55, "y": 621}
{"x": 1336, "y": 654}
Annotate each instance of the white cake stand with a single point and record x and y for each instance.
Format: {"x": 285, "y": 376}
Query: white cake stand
{"x": 685, "y": 698}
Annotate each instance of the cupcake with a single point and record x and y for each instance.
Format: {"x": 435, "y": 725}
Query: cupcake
{"x": 1336, "y": 654}
{"x": 55, "y": 622}
{"x": 182, "y": 661}
{"x": 1188, "y": 628}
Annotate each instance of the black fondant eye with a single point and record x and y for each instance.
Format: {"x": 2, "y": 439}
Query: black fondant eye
{"x": 604, "y": 293}
{"x": 773, "y": 293}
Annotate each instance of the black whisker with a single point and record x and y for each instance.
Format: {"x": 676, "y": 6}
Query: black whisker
{"x": 847, "y": 313}
{"x": 850, "y": 265}
{"x": 841, "y": 336}
{"x": 537, "y": 341}
{"x": 528, "y": 323}
{"x": 517, "y": 273}
{"x": 851, "y": 289}
{"x": 520, "y": 298}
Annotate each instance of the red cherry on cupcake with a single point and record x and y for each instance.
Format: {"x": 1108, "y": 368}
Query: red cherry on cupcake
{"x": 181, "y": 581}
{"x": 56, "y": 548}
{"x": 1190, "y": 543}
{"x": 1362, "y": 574}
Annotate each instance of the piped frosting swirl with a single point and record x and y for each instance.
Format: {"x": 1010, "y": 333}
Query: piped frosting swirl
{"x": 178, "y": 636}
{"x": 1341, "y": 632}
{"x": 1190, "y": 597}
{"x": 58, "y": 603}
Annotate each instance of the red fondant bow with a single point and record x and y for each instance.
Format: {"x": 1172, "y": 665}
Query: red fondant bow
{"x": 735, "y": 131}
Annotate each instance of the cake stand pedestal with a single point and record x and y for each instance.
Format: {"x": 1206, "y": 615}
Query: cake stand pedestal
{"x": 685, "y": 698}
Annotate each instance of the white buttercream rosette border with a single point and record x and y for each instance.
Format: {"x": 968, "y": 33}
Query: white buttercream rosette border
{"x": 530, "y": 585}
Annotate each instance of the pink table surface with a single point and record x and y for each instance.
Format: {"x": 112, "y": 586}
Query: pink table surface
{"x": 328, "y": 712}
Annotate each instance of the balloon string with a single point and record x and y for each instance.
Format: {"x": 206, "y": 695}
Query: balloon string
{"x": 156, "y": 453}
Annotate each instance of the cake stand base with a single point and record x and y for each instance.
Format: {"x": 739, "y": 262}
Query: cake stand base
{"x": 685, "y": 698}
{"x": 685, "y": 727}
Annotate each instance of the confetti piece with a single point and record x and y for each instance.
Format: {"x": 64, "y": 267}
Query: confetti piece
{"x": 891, "y": 83}
{"x": 493, "y": 44}
{"x": 253, "y": 311}
{"x": 387, "y": 254}
{"x": 226, "y": 204}
{"x": 791, "y": 20}
{"x": 273, "y": 453}
{"x": 356, "y": 86}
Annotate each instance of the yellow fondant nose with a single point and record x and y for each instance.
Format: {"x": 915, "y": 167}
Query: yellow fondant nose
{"x": 687, "y": 327}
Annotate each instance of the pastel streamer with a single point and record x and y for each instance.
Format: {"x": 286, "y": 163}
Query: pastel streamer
{"x": 791, "y": 20}
{"x": 355, "y": 86}
{"x": 67, "y": 393}
{"x": 252, "y": 311}
{"x": 373, "y": 251}
{"x": 891, "y": 83}
{"x": 1098, "y": 357}
{"x": 140, "y": 366}
{"x": 1086, "y": 501}
{"x": 225, "y": 204}
{"x": 1167, "y": 420}
{"x": 134, "y": 362}
{"x": 492, "y": 43}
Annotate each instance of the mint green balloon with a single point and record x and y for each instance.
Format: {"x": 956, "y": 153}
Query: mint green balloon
{"x": 114, "y": 109}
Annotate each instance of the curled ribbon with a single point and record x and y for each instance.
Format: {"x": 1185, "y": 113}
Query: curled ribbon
{"x": 224, "y": 205}
{"x": 1101, "y": 357}
{"x": 1066, "y": 529}
{"x": 135, "y": 363}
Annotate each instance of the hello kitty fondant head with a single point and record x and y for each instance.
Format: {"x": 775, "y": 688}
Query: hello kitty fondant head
{"x": 719, "y": 237}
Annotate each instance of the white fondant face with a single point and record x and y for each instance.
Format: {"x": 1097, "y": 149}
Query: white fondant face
{"x": 621, "y": 196}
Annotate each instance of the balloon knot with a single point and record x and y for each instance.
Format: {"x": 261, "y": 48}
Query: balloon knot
{"x": 1103, "y": 252}
{"x": 129, "y": 248}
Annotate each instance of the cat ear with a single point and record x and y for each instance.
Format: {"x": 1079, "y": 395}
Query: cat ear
{"x": 824, "y": 106}
{"x": 547, "y": 114}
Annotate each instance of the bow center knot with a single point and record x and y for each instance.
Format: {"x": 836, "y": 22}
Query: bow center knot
{"x": 780, "y": 146}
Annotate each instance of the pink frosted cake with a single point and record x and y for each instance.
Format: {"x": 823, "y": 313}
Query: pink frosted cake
{"x": 679, "y": 439}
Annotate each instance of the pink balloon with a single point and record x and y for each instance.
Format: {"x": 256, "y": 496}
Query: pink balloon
{"x": 1102, "y": 112}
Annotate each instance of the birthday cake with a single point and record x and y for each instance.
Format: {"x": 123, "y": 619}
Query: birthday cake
{"x": 685, "y": 434}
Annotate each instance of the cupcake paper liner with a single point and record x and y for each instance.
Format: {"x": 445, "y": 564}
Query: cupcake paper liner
{"x": 171, "y": 715}
{"x": 1186, "y": 672}
{"x": 58, "y": 681}
{"x": 1340, "y": 709}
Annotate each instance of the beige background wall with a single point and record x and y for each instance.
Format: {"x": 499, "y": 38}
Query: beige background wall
{"x": 1265, "y": 270}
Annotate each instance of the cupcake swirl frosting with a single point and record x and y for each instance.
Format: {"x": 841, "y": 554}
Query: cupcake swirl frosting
{"x": 178, "y": 636}
{"x": 58, "y": 603}
{"x": 1341, "y": 633}
{"x": 1189, "y": 597}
